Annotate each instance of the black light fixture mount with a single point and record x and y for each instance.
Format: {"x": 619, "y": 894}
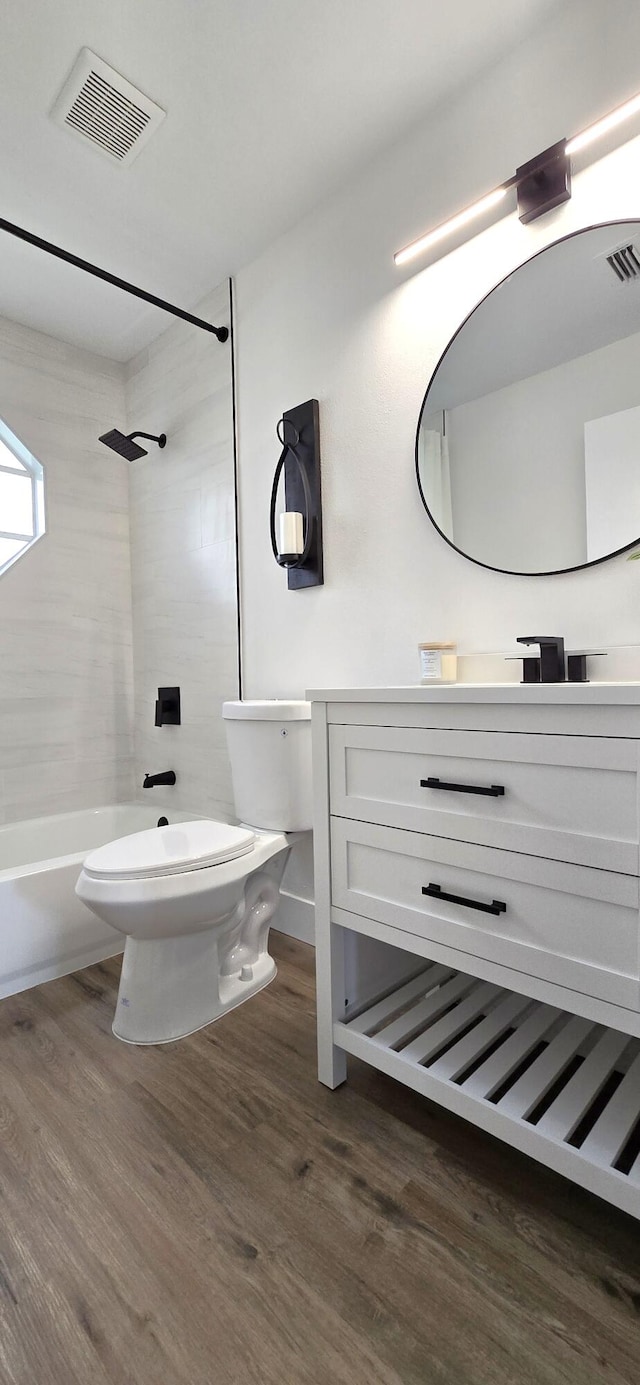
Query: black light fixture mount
{"x": 543, "y": 183}
{"x": 298, "y": 544}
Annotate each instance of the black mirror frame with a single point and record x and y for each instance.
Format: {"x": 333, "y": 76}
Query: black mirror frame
{"x": 550, "y": 572}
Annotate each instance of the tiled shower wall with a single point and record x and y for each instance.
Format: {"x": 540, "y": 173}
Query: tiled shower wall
{"x": 65, "y": 606}
{"x": 183, "y": 559}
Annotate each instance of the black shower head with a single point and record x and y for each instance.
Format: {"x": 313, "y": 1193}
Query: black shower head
{"x": 123, "y": 443}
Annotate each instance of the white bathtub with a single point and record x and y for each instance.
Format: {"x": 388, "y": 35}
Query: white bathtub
{"x": 45, "y": 930}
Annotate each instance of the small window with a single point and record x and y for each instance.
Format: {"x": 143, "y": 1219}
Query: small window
{"x": 21, "y": 498}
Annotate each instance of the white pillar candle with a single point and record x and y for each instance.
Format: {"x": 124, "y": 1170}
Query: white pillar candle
{"x": 290, "y": 533}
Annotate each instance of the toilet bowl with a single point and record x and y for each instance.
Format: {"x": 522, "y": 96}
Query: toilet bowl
{"x": 195, "y": 899}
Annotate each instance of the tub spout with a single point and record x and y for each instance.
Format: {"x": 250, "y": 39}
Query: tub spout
{"x": 168, "y": 776}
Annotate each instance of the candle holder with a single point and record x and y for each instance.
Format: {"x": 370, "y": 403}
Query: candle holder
{"x": 298, "y": 546}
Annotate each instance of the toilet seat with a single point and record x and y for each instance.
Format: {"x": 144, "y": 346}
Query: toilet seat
{"x": 178, "y": 901}
{"x": 172, "y": 850}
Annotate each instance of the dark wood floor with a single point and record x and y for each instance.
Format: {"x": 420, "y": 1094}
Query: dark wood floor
{"x": 205, "y": 1213}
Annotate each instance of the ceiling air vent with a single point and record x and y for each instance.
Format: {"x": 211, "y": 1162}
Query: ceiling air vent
{"x": 625, "y": 263}
{"x": 105, "y": 110}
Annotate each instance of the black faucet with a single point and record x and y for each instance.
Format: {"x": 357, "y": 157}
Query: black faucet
{"x": 168, "y": 776}
{"x": 552, "y": 669}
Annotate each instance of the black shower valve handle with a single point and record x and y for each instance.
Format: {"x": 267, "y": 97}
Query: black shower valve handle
{"x": 168, "y": 707}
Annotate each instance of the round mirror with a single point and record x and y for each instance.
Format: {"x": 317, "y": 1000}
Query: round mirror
{"x": 528, "y": 443}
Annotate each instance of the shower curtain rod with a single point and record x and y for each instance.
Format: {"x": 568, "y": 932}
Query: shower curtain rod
{"x": 221, "y": 333}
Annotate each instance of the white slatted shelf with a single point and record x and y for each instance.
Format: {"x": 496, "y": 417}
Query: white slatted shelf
{"x": 496, "y": 1057}
{"x": 507, "y": 1059}
{"x": 376, "y": 1015}
{"x": 470, "y": 1007}
{"x": 611, "y": 1131}
{"x": 634, "y": 1173}
{"x": 563, "y": 1116}
{"x": 474, "y": 1045}
{"x": 525, "y": 1094}
{"x": 449, "y": 996}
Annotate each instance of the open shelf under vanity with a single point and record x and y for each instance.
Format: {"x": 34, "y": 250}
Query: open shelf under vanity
{"x": 557, "y": 1086}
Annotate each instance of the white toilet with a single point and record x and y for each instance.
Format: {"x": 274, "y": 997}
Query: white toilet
{"x": 194, "y": 899}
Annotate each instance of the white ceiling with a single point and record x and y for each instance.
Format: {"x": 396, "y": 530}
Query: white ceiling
{"x": 271, "y": 105}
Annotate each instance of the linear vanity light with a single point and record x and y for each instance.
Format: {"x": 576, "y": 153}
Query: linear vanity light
{"x": 540, "y": 185}
{"x": 447, "y": 228}
{"x": 602, "y": 127}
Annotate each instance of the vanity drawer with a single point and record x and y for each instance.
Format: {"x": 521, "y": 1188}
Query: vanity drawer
{"x": 566, "y": 924}
{"x": 571, "y": 798}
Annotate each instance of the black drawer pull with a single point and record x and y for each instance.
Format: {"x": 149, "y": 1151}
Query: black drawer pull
{"x": 436, "y": 892}
{"x": 492, "y": 791}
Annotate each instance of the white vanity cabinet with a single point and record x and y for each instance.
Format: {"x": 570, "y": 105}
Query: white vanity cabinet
{"x": 492, "y": 832}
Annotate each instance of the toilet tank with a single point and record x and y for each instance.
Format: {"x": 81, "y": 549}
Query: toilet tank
{"x": 269, "y": 747}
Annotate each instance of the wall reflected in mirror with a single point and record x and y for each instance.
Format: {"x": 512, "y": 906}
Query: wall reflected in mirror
{"x": 528, "y": 444}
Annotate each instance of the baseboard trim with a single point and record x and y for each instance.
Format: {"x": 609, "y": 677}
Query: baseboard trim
{"x": 296, "y": 918}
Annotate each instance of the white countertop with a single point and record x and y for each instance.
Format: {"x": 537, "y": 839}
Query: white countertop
{"x": 542, "y": 694}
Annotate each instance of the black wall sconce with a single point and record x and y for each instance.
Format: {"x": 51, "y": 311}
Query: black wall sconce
{"x": 297, "y": 543}
{"x": 168, "y": 707}
{"x": 535, "y": 188}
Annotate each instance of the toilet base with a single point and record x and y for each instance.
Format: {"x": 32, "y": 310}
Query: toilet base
{"x": 136, "y": 1024}
{"x": 171, "y": 987}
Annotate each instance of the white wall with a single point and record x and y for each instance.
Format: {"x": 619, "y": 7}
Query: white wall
{"x": 325, "y": 313}
{"x": 65, "y": 606}
{"x": 183, "y": 559}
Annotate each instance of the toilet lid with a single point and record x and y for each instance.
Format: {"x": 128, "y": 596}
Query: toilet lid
{"x": 182, "y": 846}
